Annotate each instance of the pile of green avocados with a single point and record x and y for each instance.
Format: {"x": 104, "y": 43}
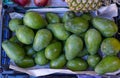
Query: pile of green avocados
{"x": 64, "y": 42}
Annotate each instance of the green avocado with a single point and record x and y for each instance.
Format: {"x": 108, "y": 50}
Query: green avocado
{"x": 59, "y": 31}
{"x": 77, "y": 25}
{"x": 42, "y": 39}
{"x": 93, "y": 60}
{"x": 58, "y": 62}
{"x": 15, "y": 23}
{"x": 30, "y": 51}
{"x": 25, "y": 35}
{"x": 108, "y": 64}
{"x": 87, "y": 16}
{"x": 34, "y": 20}
{"x": 25, "y": 63}
{"x": 40, "y": 58}
{"x": 53, "y": 50}
{"x": 77, "y": 64}
{"x": 73, "y": 46}
{"x": 107, "y": 27}
{"x": 13, "y": 50}
{"x": 68, "y": 15}
{"x": 93, "y": 40}
{"x": 52, "y": 18}
{"x": 14, "y": 39}
{"x": 83, "y": 53}
{"x": 110, "y": 46}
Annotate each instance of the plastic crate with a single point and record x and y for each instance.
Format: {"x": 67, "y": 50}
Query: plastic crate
{"x": 6, "y": 34}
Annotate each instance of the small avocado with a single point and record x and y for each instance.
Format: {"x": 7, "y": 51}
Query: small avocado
{"x": 40, "y": 58}
{"x": 77, "y": 64}
{"x": 15, "y": 23}
{"x": 93, "y": 60}
{"x": 58, "y": 62}
{"x": 53, "y": 50}
{"x": 25, "y": 63}
{"x": 52, "y": 18}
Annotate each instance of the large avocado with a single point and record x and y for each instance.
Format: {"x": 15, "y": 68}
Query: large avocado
{"x": 42, "y": 39}
{"x": 107, "y": 27}
{"x": 110, "y": 46}
{"x": 92, "y": 40}
{"x": 13, "y": 50}
{"x": 34, "y": 20}
{"x": 59, "y": 31}
{"x": 77, "y": 25}
{"x": 25, "y": 35}
{"x": 73, "y": 46}
{"x": 108, "y": 64}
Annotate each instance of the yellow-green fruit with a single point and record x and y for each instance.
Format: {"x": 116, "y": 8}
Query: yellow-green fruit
{"x": 13, "y": 50}
{"x": 25, "y": 35}
{"x": 108, "y": 64}
{"x": 110, "y": 46}
{"x": 14, "y": 24}
{"x": 42, "y": 39}
{"x": 34, "y": 20}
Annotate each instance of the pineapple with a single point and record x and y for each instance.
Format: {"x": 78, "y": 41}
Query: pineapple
{"x": 86, "y": 5}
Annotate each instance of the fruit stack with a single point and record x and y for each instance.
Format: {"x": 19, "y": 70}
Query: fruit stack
{"x": 64, "y": 42}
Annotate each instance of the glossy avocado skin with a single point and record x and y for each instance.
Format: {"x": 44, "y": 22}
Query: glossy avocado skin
{"x": 58, "y": 62}
{"x": 25, "y": 35}
{"x": 82, "y": 53}
{"x": 77, "y": 64}
{"x": 73, "y": 46}
{"x": 25, "y": 63}
{"x": 34, "y": 20}
{"x": 93, "y": 40}
{"x": 40, "y": 58}
{"x": 77, "y": 25}
{"x": 30, "y": 51}
{"x": 13, "y": 50}
{"x": 110, "y": 46}
{"x": 14, "y": 24}
{"x": 15, "y": 40}
{"x": 107, "y": 27}
{"x": 42, "y": 39}
{"x": 68, "y": 15}
{"x": 52, "y": 18}
{"x": 93, "y": 60}
{"x": 53, "y": 50}
{"x": 108, "y": 64}
{"x": 59, "y": 31}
